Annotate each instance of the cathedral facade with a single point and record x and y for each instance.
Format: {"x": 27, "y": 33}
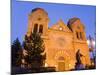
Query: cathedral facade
{"x": 61, "y": 40}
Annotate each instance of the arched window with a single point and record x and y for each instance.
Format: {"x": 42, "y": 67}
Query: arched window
{"x": 41, "y": 29}
{"x": 81, "y": 35}
{"x": 61, "y": 58}
{"x": 35, "y": 28}
{"x": 77, "y": 35}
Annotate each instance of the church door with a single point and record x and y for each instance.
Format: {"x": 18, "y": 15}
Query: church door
{"x": 61, "y": 66}
{"x": 61, "y": 63}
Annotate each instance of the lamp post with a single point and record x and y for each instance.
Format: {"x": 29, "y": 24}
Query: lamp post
{"x": 91, "y": 44}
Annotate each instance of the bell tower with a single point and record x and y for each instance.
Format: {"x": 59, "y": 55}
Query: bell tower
{"x": 38, "y": 21}
{"x": 79, "y": 39}
{"x": 77, "y": 28}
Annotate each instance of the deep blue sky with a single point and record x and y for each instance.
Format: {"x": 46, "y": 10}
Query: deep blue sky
{"x": 20, "y": 11}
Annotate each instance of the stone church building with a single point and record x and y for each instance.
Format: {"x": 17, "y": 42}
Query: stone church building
{"x": 61, "y": 40}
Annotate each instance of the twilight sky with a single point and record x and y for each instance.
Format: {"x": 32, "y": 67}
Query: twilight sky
{"x": 20, "y": 11}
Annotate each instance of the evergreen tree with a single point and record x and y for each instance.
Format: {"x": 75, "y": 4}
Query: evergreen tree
{"x": 16, "y": 53}
{"x": 35, "y": 48}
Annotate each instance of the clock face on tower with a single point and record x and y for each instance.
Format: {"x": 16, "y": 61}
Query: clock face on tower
{"x": 61, "y": 41}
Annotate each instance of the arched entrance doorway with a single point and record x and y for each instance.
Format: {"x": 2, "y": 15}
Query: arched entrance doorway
{"x": 61, "y": 63}
{"x": 62, "y": 60}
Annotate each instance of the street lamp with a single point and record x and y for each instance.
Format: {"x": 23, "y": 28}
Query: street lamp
{"x": 91, "y": 44}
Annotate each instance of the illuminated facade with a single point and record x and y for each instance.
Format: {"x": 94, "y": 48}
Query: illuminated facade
{"x": 61, "y": 41}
